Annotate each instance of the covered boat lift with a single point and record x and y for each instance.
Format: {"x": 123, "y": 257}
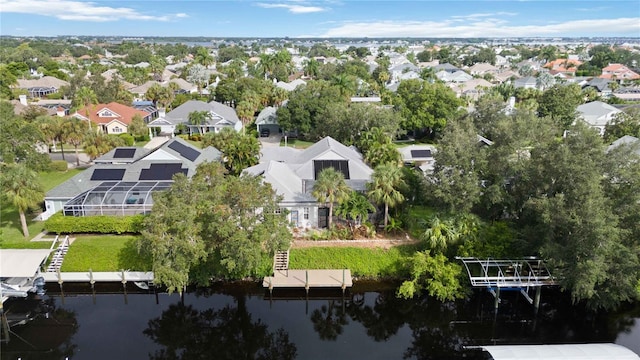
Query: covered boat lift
{"x": 20, "y": 271}
{"x": 605, "y": 351}
{"x": 504, "y": 274}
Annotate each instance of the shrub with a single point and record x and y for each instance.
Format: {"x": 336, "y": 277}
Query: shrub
{"x": 60, "y": 224}
{"x": 128, "y": 139}
{"x": 59, "y": 165}
{"x": 142, "y": 138}
{"x": 195, "y": 137}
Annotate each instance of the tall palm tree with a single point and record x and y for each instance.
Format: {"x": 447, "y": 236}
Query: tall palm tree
{"x": 86, "y": 97}
{"x": 52, "y": 128}
{"x": 311, "y": 67}
{"x": 266, "y": 65}
{"x": 330, "y": 188}
{"x": 245, "y": 113}
{"x": 203, "y": 57}
{"x": 383, "y": 189}
{"x": 21, "y": 186}
{"x": 75, "y": 132}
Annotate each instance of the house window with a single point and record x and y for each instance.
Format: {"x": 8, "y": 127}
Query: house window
{"x": 117, "y": 129}
{"x": 305, "y": 214}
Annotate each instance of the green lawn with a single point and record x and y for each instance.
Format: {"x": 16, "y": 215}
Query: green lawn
{"x": 104, "y": 253}
{"x": 361, "y": 261}
{"x": 296, "y": 144}
{"x": 10, "y": 221}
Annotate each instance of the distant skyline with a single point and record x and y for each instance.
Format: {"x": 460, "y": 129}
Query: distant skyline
{"x": 328, "y": 18}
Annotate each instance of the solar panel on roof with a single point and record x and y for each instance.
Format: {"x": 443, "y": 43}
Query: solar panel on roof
{"x": 124, "y": 153}
{"x": 162, "y": 171}
{"x": 340, "y": 165}
{"x": 107, "y": 174}
{"x": 185, "y": 151}
{"x": 420, "y": 153}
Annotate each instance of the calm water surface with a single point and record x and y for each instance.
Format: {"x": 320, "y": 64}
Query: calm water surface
{"x": 241, "y": 322}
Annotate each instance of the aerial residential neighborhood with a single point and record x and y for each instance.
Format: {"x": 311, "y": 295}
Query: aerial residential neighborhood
{"x": 411, "y": 184}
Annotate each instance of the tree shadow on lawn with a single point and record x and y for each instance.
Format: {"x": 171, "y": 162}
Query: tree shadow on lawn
{"x": 129, "y": 258}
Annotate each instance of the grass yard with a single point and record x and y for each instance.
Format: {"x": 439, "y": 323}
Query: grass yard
{"x": 296, "y": 144}
{"x": 11, "y": 230}
{"x": 366, "y": 262}
{"x": 104, "y": 253}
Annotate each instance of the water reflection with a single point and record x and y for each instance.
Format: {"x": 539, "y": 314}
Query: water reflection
{"x": 228, "y": 333}
{"x": 233, "y": 322}
{"x": 37, "y": 329}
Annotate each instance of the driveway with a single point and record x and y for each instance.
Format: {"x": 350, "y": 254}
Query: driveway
{"x": 271, "y": 141}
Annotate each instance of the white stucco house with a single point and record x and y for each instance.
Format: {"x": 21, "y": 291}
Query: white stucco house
{"x": 220, "y": 116}
{"x": 292, "y": 173}
{"x": 597, "y": 114}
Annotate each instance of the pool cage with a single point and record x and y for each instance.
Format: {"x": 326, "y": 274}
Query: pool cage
{"x": 116, "y": 198}
{"x": 41, "y": 91}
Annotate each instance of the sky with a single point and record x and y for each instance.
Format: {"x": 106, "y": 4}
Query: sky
{"x": 325, "y": 18}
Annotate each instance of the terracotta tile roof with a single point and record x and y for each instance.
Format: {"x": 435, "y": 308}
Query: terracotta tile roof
{"x": 120, "y": 112}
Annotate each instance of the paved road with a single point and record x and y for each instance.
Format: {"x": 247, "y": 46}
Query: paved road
{"x": 70, "y": 157}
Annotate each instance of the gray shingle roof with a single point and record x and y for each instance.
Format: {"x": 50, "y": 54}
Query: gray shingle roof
{"x": 164, "y": 154}
{"x": 291, "y": 172}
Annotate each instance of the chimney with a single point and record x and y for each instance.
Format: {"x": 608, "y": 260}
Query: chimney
{"x": 512, "y": 102}
{"x": 162, "y": 112}
{"x": 23, "y": 100}
{"x": 60, "y": 111}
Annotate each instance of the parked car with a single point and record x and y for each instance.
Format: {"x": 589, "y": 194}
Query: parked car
{"x": 265, "y": 133}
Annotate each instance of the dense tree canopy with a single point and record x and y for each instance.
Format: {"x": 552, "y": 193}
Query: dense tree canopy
{"x": 239, "y": 151}
{"x": 426, "y": 106}
{"x": 213, "y": 226}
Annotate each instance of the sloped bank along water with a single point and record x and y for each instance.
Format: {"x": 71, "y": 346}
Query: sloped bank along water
{"x": 241, "y": 321}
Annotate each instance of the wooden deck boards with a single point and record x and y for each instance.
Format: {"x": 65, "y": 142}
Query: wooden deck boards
{"x": 336, "y": 278}
{"x": 98, "y": 276}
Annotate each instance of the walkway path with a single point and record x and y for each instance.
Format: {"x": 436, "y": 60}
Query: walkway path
{"x": 364, "y": 243}
{"x": 156, "y": 142}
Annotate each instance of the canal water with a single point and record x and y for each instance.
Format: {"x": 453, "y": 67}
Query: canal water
{"x": 244, "y": 322}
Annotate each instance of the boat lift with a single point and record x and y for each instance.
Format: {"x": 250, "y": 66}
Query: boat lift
{"x": 503, "y": 274}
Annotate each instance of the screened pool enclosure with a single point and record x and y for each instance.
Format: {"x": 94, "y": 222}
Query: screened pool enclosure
{"x": 116, "y": 198}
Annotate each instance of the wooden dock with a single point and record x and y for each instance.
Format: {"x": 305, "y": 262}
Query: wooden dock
{"x": 335, "y": 278}
{"x": 93, "y": 277}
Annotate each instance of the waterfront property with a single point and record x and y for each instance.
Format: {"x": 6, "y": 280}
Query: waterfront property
{"x": 123, "y": 181}
{"x": 292, "y": 173}
{"x": 20, "y": 272}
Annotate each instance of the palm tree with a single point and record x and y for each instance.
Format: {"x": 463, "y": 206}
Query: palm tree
{"x": 52, "y": 129}
{"x": 86, "y": 97}
{"x": 21, "y": 186}
{"x": 266, "y": 65}
{"x": 199, "y": 118}
{"x": 330, "y": 188}
{"x": 245, "y": 113}
{"x": 387, "y": 178}
{"x": 311, "y": 67}
{"x": 203, "y": 57}
{"x": 356, "y": 208}
{"x": 75, "y": 131}
{"x": 345, "y": 83}
{"x": 439, "y": 234}
{"x": 155, "y": 93}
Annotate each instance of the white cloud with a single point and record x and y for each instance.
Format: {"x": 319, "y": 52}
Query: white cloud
{"x": 595, "y": 9}
{"x": 483, "y": 15}
{"x": 293, "y": 8}
{"x": 484, "y": 27}
{"x": 79, "y": 11}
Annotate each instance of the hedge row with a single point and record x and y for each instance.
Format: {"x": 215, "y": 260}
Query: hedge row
{"x": 60, "y": 224}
